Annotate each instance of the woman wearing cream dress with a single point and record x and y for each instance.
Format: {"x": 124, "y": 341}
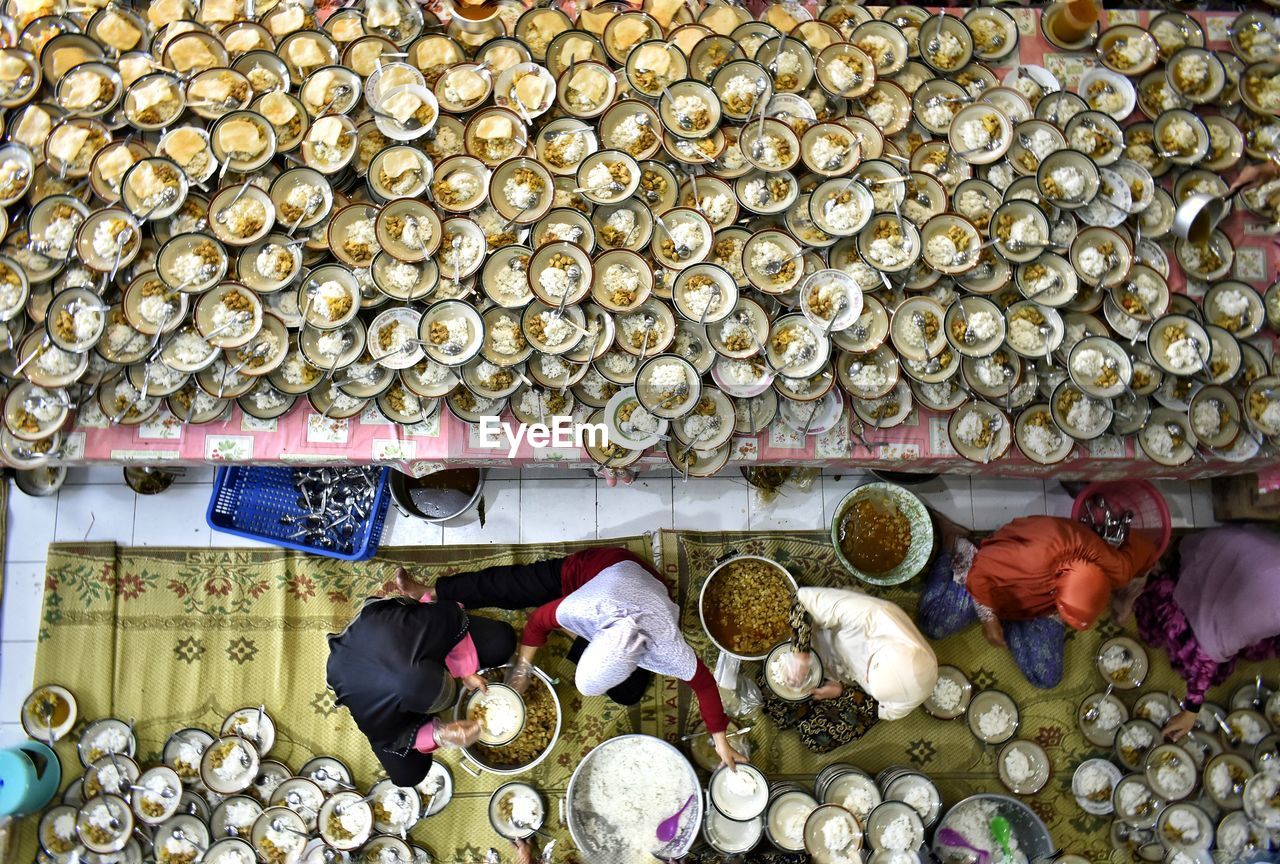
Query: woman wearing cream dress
{"x": 878, "y": 666}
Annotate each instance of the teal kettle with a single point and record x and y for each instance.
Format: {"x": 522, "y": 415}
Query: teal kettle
{"x": 30, "y": 775}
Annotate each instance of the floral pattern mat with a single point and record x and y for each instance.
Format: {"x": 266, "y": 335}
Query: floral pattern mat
{"x": 176, "y": 637}
{"x": 181, "y": 637}
{"x": 946, "y": 751}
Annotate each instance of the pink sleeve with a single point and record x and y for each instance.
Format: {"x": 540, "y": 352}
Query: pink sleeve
{"x": 426, "y": 740}
{"x": 463, "y": 660}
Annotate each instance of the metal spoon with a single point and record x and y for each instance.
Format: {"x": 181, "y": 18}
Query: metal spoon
{"x": 1095, "y": 710}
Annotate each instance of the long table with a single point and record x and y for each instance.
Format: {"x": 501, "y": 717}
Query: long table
{"x": 919, "y": 444}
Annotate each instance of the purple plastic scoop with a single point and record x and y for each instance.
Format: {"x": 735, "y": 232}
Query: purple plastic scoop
{"x": 952, "y": 837}
{"x": 668, "y": 827}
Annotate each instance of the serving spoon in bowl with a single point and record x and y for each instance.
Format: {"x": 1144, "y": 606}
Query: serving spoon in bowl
{"x": 952, "y": 837}
{"x": 668, "y": 827}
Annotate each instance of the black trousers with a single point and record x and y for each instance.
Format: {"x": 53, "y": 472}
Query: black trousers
{"x": 507, "y": 586}
{"x": 525, "y": 586}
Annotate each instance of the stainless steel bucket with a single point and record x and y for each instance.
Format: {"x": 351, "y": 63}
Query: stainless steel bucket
{"x": 451, "y": 509}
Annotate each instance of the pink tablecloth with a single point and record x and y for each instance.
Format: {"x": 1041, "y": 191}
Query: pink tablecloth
{"x": 1269, "y": 480}
{"x": 919, "y": 444}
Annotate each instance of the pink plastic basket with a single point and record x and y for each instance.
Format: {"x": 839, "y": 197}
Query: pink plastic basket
{"x": 1150, "y": 512}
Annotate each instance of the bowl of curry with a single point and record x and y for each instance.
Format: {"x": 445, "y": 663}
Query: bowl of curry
{"x": 745, "y": 606}
{"x": 882, "y": 534}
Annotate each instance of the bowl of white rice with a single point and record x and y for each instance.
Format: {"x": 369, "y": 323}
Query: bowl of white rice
{"x": 1262, "y": 799}
{"x": 500, "y": 711}
{"x": 972, "y": 817}
{"x": 329, "y": 297}
{"x": 895, "y": 827}
{"x": 1167, "y": 437}
{"x": 1100, "y": 367}
{"x": 516, "y": 810}
{"x": 1171, "y": 772}
{"x": 915, "y": 790}
{"x": 1185, "y": 827}
{"x": 740, "y": 794}
{"x": 832, "y": 835}
{"x": 1023, "y": 767}
{"x": 1101, "y": 730}
{"x": 775, "y": 666}
{"x": 622, "y": 790}
{"x": 980, "y": 133}
{"x": 453, "y": 331}
{"x": 975, "y": 326}
{"x": 705, "y": 293}
{"x": 1080, "y": 415}
{"x": 389, "y": 338}
{"x": 979, "y": 431}
{"x": 993, "y": 716}
{"x": 229, "y": 316}
{"x": 229, "y": 765}
{"x": 951, "y": 694}
{"x": 1093, "y": 785}
{"x": 668, "y": 387}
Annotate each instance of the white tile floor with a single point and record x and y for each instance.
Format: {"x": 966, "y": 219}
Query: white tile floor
{"x": 95, "y": 505}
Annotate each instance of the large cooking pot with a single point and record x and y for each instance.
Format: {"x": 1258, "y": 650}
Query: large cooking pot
{"x": 479, "y": 762}
{"x": 723, "y": 563}
{"x": 578, "y": 820}
{"x": 450, "y": 498}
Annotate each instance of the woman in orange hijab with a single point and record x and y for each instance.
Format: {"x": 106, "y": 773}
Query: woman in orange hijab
{"x": 1026, "y": 583}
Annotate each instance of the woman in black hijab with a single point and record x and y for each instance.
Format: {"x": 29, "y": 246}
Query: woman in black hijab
{"x": 397, "y": 664}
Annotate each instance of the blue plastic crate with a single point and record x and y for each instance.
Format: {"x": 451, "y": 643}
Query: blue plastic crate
{"x": 249, "y": 502}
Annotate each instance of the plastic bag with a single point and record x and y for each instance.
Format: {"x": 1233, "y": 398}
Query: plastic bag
{"x": 748, "y": 696}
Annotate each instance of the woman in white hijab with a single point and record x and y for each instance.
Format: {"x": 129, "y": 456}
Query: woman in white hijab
{"x": 877, "y": 665}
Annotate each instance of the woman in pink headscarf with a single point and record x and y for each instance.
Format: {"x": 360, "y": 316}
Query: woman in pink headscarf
{"x": 1025, "y": 582}
{"x": 615, "y": 605}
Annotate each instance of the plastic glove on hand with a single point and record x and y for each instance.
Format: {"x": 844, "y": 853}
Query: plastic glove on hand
{"x": 796, "y": 669}
{"x": 520, "y": 676}
{"x": 459, "y": 733}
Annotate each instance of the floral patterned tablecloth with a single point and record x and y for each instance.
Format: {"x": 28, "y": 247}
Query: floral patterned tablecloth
{"x": 920, "y": 443}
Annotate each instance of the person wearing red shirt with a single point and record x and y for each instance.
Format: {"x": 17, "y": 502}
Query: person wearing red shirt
{"x": 617, "y": 608}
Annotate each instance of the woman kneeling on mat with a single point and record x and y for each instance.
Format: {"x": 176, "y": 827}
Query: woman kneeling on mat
{"x": 1221, "y": 606}
{"x": 869, "y": 643}
{"x": 1035, "y": 575}
{"x": 399, "y": 662}
{"x": 615, "y": 605}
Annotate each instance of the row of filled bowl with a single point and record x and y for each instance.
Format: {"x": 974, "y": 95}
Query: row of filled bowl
{"x": 684, "y": 229}
{"x": 1212, "y": 796}
{"x": 223, "y": 797}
